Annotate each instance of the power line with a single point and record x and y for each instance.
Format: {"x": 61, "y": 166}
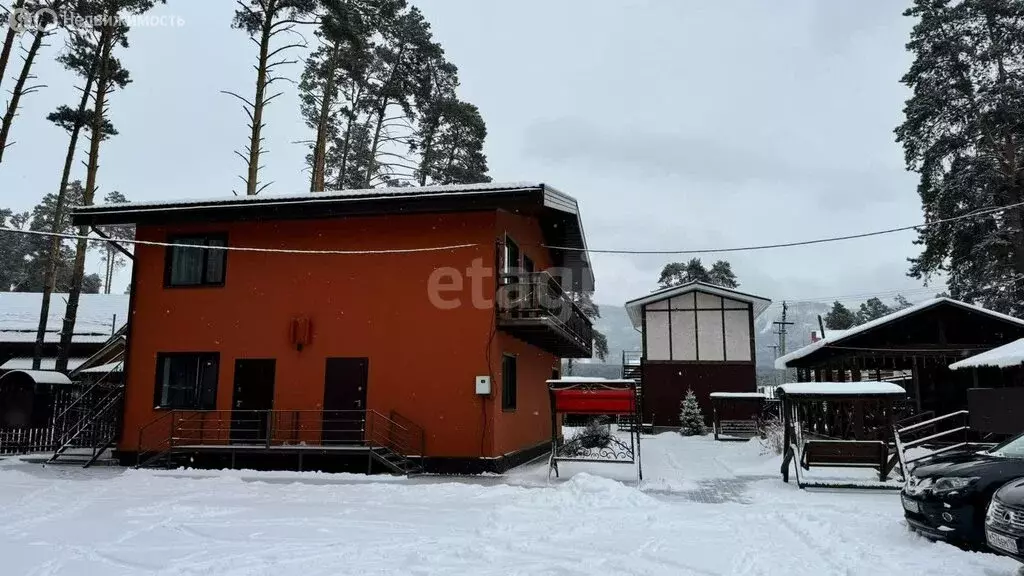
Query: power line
{"x": 241, "y": 248}
{"x": 986, "y": 212}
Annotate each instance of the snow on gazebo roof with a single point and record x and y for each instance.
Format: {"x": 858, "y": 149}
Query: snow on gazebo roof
{"x": 737, "y": 395}
{"x": 840, "y": 335}
{"x": 1011, "y": 354}
{"x": 866, "y": 388}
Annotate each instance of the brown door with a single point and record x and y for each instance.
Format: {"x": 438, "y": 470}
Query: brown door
{"x": 252, "y": 401}
{"x": 344, "y": 416}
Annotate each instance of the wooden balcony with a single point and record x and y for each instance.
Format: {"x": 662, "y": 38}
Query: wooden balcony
{"x": 534, "y": 308}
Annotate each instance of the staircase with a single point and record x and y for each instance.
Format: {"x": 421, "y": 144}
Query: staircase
{"x": 632, "y": 369}
{"x": 88, "y": 427}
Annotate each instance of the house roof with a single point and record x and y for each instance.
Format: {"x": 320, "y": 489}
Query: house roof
{"x": 97, "y": 315}
{"x": 841, "y": 335}
{"x": 558, "y": 212}
{"x": 1005, "y": 356}
{"x": 45, "y": 364}
{"x": 635, "y": 307}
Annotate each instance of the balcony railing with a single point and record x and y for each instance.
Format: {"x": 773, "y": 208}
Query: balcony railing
{"x": 533, "y": 307}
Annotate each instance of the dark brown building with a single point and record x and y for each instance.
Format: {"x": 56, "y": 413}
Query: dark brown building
{"x": 920, "y": 342}
{"x": 695, "y": 336}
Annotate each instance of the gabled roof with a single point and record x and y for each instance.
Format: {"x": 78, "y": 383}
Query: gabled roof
{"x": 635, "y": 307}
{"x": 1005, "y": 356}
{"x": 558, "y": 212}
{"x": 840, "y": 336}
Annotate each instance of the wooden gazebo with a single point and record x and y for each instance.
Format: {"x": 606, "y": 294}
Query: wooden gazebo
{"x": 838, "y": 424}
{"x": 917, "y": 343}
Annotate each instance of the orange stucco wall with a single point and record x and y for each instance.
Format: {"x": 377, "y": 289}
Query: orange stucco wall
{"x": 422, "y": 359}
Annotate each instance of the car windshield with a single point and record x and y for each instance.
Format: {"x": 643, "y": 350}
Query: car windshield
{"x": 1012, "y": 448}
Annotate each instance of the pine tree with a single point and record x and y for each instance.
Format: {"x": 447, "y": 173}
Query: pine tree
{"x": 840, "y": 317}
{"x": 22, "y": 86}
{"x": 81, "y": 57}
{"x": 453, "y": 146}
{"x": 264, "y": 20}
{"x": 963, "y": 134}
{"x": 9, "y": 36}
{"x": 901, "y": 302}
{"x": 113, "y": 259}
{"x": 871, "y": 310}
{"x": 691, "y": 420}
{"x": 110, "y": 75}
{"x": 678, "y": 273}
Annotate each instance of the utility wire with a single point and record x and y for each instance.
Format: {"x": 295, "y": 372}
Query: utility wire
{"x": 975, "y": 214}
{"x": 239, "y": 248}
{"x": 985, "y": 212}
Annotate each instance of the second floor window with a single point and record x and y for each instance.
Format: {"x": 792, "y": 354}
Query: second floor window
{"x": 199, "y": 266}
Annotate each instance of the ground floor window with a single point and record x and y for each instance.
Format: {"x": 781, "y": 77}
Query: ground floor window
{"x": 187, "y": 381}
{"x": 508, "y": 382}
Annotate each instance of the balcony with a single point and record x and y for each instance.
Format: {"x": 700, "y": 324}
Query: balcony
{"x": 534, "y": 308}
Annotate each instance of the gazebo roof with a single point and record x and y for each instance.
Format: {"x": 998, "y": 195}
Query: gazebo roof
{"x": 835, "y": 390}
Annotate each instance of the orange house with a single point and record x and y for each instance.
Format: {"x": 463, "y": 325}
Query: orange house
{"x": 413, "y": 328}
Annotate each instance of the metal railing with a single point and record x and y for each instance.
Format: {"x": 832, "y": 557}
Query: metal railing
{"x": 932, "y": 436}
{"x": 539, "y": 295}
{"x": 182, "y": 429}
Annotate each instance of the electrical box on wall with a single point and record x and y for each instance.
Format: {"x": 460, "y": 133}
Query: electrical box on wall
{"x": 483, "y": 385}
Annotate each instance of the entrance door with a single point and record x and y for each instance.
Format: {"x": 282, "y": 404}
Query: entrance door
{"x": 345, "y": 400}
{"x": 253, "y": 398}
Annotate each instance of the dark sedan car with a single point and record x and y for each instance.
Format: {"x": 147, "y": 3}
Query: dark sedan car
{"x": 947, "y": 498}
{"x": 1004, "y": 524}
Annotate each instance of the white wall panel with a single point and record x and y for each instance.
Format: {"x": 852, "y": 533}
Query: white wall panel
{"x": 656, "y": 336}
{"x": 730, "y": 304}
{"x": 684, "y": 302}
{"x": 659, "y": 305}
{"x": 709, "y": 334}
{"x": 737, "y": 335}
{"x": 705, "y": 300}
{"x": 684, "y": 336}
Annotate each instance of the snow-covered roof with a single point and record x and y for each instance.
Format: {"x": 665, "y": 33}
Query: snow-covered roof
{"x": 41, "y": 376}
{"x": 635, "y": 307}
{"x": 306, "y": 197}
{"x": 1011, "y": 354}
{"x": 782, "y": 361}
{"x": 841, "y": 388}
{"x": 19, "y": 316}
{"x": 737, "y": 395}
{"x": 45, "y": 364}
{"x": 105, "y": 368}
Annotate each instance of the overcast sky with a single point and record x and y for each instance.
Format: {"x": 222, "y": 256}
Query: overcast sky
{"x": 676, "y": 124}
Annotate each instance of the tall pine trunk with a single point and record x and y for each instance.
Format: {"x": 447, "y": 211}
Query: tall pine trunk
{"x": 255, "y": 138}
{"x": 318, "y": 179}
{"x": 103, "y": 85}
{"x": 19, "y": 89}
{"x": 50, "y": 281}
{"x": 372, "y": 164}
{"x": 12, "y": 34}
{"x": 346, "y": 146}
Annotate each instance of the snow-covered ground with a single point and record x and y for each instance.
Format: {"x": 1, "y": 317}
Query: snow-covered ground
{"x": 705, "y": 508}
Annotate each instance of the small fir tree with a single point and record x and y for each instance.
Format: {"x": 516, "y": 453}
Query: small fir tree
{"x": 691, "y": 420}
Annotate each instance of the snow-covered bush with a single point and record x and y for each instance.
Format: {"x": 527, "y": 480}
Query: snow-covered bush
{"x": 691, "y": 420}
{"x": 773, "y": 436}
{"x": 597, "y": 434}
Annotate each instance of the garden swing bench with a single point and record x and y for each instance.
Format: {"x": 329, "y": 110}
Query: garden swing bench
{"x": 594, "y": 397}
{"x": 838, "y": 424}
